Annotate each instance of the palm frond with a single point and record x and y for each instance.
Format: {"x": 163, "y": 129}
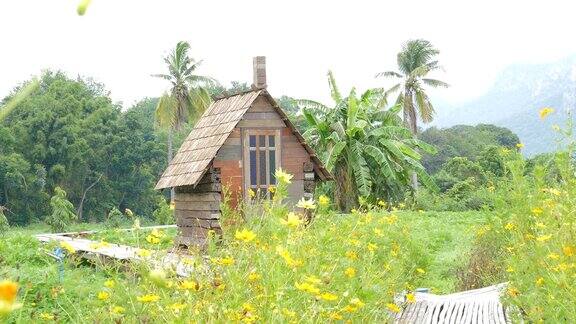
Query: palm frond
{"x": 425, "y": 108}
{"x": 435, "y": 83}
{"x": 334, "y": 92}
{"x": 165, "y": 112}
{"x": 311, "y": 104}
{"x": 389, "y": 74}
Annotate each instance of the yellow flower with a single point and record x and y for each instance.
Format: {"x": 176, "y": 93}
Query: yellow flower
{"x": 356, "y": 302}
{"x": 189, "y": 285}
{"x": 47, "y": 316}
{"x": 172, "y": 206}
{"x": 421, "y": 271}
{"x": 245, "y": 235}
{"x": 540, "y": 225}
{"x": 152, "y": 239}
{"x": 143, "y": 253}
{"x": 336, "y": 316}
{"x": 288, "y": 313}
{"x": 117, "y": 310}
{"x": 544, "y": 112}
{"x": 519, "y": 145}
{"x": 351, "y": 255}
{"x": 103, "y": 295}
{"x": 285, "y": 254}
{"x": 292, "y": 220}
{"x": 513, "y": 292}
{"x": 372, "y": 247}
{"x": 539, "y": 281}
{"x": 307, "y": 287}
{"x": 312, "y": 280}
{"x": 350, "y": 272}
{"x": 510, "y": 269}
{"x": 177, "y": 307}
{"x": 68, "y": 247}
{"x": 393, "y": 307}
{"x": 128, "y": 212}
{"x": 272, "y": 189}
{"x": 157, "y": 233}
{"x": 537, "y": 210}
{"x": 306, "y": 204}
{"x": 328, "y": 296}
{"x": 510, "y": 226}
{"x": 381, "y": 203}
{"x": 543, "y": 238}
{"x": 283, "y": 177}
{"x": 148, "y": 298}
{"x": 323, "y": 201}
{"x": 251, "y": 193}
{"x": 568, "y": 250}
{"x": 410, "y": 298}
{"x": 109, "y": 284}
{"x": 254, "y": 276}
{"x": 224, "y": 261}
{"x": 8, "y": 291}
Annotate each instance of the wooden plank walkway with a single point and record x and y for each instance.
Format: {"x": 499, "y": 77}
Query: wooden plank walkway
{"x": 473, "y": 306}
{"x": 94, "y": 250}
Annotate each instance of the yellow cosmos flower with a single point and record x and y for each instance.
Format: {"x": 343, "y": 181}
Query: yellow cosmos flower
{"x": 288, "y": 313}
{"x": 306, "y": 204}
{"x": 421, "y": 271}
{"x": 410, "y": 298}
{"x": 544, "y": 112}
{"x": 519, "y": 145}
{"x": 539, "y": 281}
{"x": 350, "y": 272}
{"x": 381, "y": 203}
{"x": 152, "y": 239}
{"x": 336, "y": 316}
{"x": 393, "y": 307}
{"x": 513, "y": 292}
{"x": 8, "y": 291}
{"x": 372, "y": 247}
{"x": 272, "y": 189}
{"x": 292, "y": 220}
{"x": 68, "y": 247}
{"x": 510, "y": 226}
{"x": 351, "y": 255}
{"x": 226, "y": 261}
{"x": 117, "y": 310}
{"x": 569, "y": 250}
{"x": 312, "y": 280}
{"x": 283, "y": 177}
{"x": 285, "y": 254}
{"x": 537, "y": 210}
{"x": 323, "y": 201}
{"x": 245, "y": 235}
{"x": 103, "y": 295}
{"x": 510, "y": 269}
{"x": 357, "y": 302}
{"x": 251, "y": 193}
{"x": 109, "y": 283}
{"x": 307, "y": 287}
{"x": 189, "y": 285}
{"x": 148, "y": 298}
{"x": 254, "y": 276}
{"x": 327, "y": 296}
{"x": 177, "y": 307}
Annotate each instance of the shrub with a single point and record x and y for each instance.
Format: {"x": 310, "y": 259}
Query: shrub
{"x": 114, "y": 218}
{"x": 163, "y": 215}
{"x": 63, "y": 212}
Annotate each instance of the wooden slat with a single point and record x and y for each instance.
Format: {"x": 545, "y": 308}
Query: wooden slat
{"x": 199, "y": 205}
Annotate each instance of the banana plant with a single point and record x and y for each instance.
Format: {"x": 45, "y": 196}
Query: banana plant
{"x": 365, "y": 145}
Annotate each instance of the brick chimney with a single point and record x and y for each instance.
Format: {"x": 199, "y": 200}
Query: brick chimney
{"x": 259, "y": 63}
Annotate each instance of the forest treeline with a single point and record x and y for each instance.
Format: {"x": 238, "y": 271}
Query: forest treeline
{"x": 69, "y": 133}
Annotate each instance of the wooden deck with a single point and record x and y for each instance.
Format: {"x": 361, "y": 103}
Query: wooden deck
{"x": 93, "y": 250}
{"x": 473, "y": 306}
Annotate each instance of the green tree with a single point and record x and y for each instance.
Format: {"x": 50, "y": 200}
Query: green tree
{"x": 188, "y": 97}
{"x": 62, "y": 211}
{"x": 415, "y": 61}
{"x": 365, "y": 145}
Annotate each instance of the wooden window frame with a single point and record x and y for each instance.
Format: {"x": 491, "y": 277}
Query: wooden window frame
{"x": 246, "y": 157}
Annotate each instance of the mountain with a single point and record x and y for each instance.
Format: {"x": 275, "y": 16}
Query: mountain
{"x": 515, "y": 99}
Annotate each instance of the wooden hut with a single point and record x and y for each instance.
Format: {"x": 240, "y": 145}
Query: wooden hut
{"x": 238, "y": 143}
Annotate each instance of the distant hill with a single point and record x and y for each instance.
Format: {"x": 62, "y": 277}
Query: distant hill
{"x": 514, "y": 100}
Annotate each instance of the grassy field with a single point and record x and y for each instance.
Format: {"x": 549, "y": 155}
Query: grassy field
{"x": 435, "y": 244}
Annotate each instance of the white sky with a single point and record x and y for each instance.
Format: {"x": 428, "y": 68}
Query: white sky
{"x": 121, "y": 42}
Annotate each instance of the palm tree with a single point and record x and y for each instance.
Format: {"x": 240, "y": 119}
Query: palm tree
{"x": 365, "y": 145}
{"x": 188, "y": 97}
{"x": 415, "y": 61}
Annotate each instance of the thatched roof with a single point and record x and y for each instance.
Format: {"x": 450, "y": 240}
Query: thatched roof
{"x": 200, "y": 147}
